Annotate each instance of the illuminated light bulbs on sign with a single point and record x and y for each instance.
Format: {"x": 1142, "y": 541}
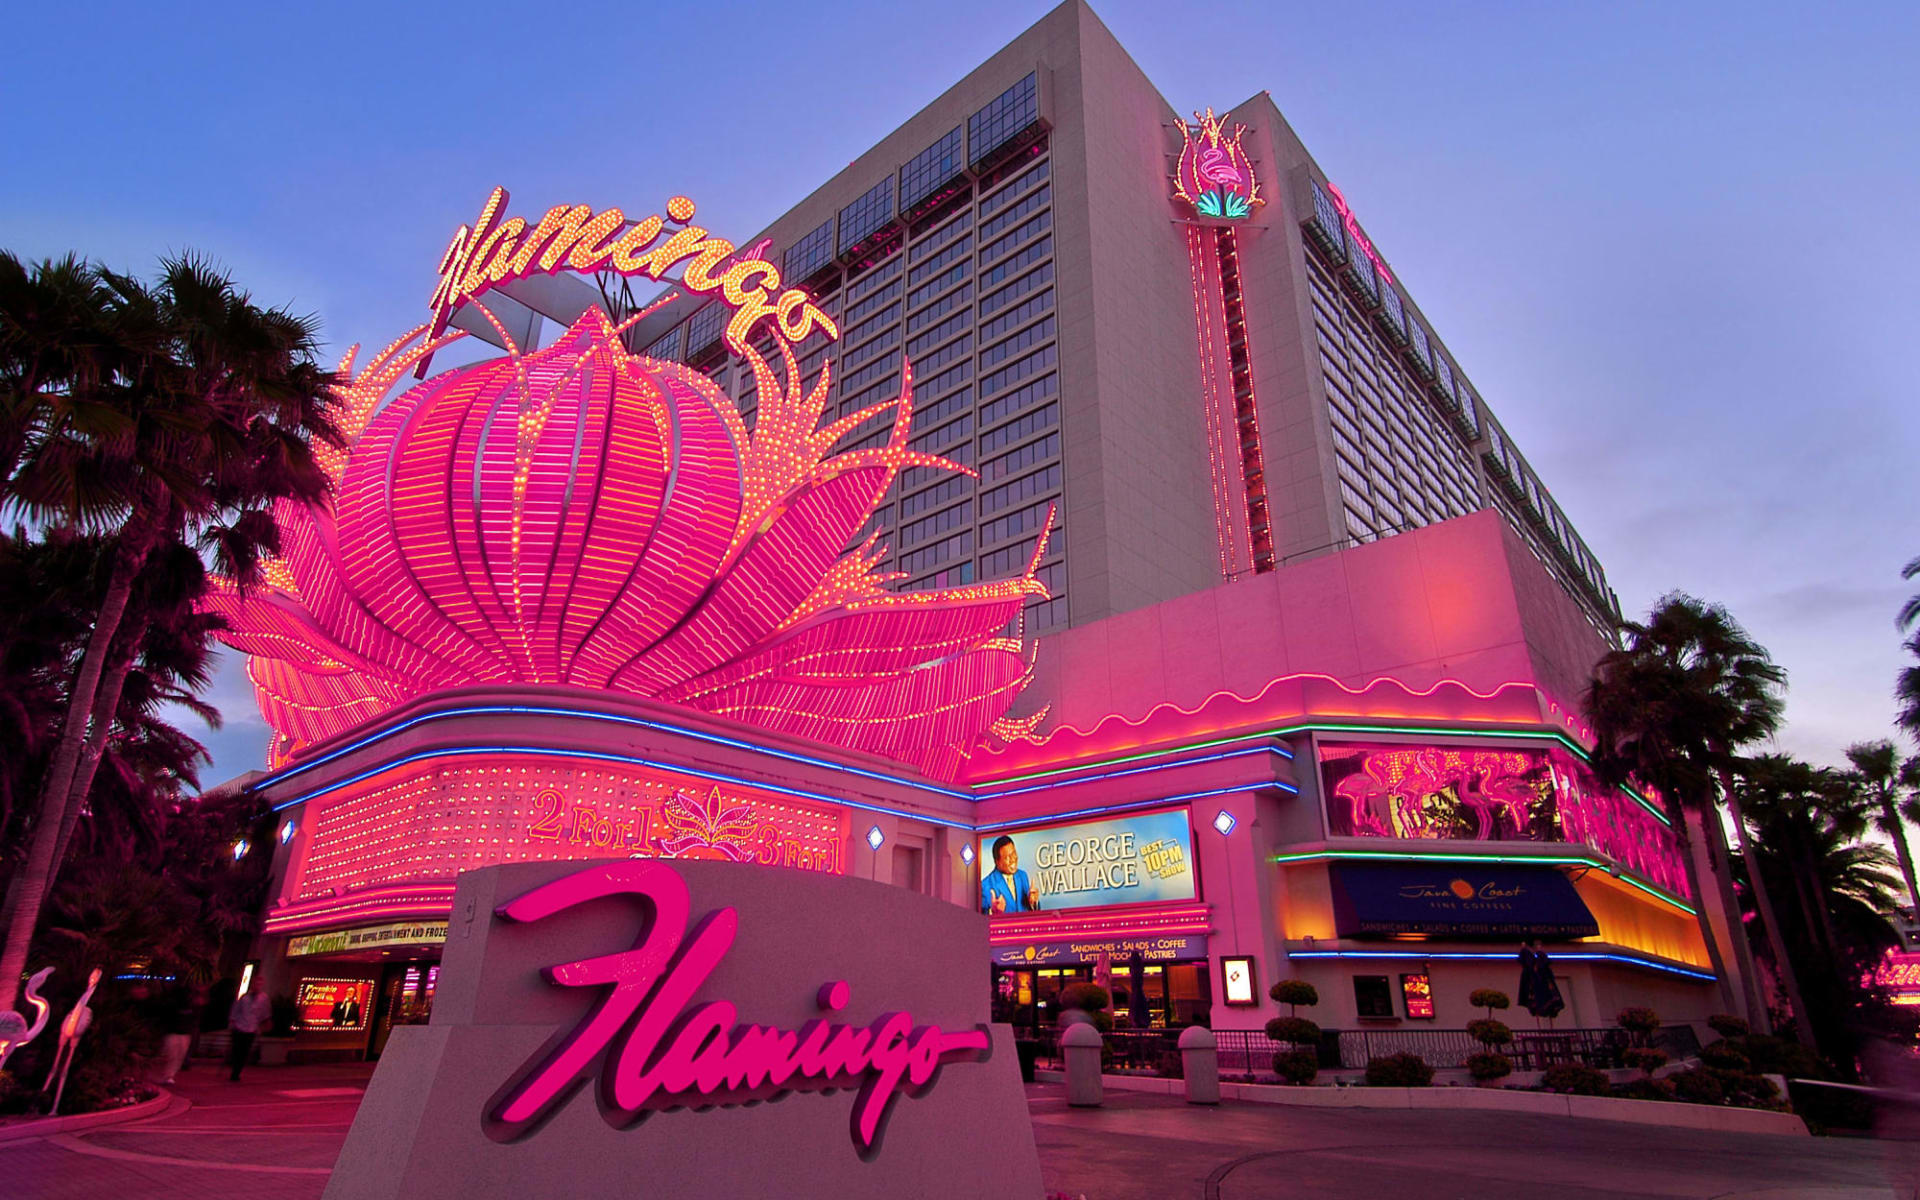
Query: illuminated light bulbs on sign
{"x": 572, "y": 237}
{"x": 1214, "y": 174}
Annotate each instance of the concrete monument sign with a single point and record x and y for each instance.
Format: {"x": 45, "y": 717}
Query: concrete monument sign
{"x": 743, "y": 1030}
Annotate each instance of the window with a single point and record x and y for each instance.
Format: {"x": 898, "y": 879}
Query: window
{"x": 868, "y": 303}
{"x": 1017, "y": 522}
{"x": 704, "y": 329}
{"x": 1013, "y": 431}
{"x": 939, "y": 308}
{"x": 1021, "y": 459}
{"x": 1032, "y": 335}
{"x": 1019, "y": 262}
{"x": 1372, "y": 996}
{"x": 667, "y": 347}
{"x": 1044, "y": 480}
{"x": 1033, "y": 363}
{"x": 1032, "y": 203}
{"x": 993, "y": 302}
{"x": 1003, "y": 117}
{"x": 939, "y": 333}
{"x": 868, "y": 213}
{"x": 1017, "y": 315}
{"x": 994, "y": 203}
{"x": 940, "y": 237}
{"x": 1019, "y": 398}
{"x": 936, "y": 165}
{"x": 863, "y": 287}
{"x": 937, "y": 284}
{"x": 808, "y": 254}
{"x": 994, "y": 249}
{"x": 939, "y": 261}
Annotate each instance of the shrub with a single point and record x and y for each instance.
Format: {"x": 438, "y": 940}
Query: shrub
{"x": 1646, "y": 1058}
{"x": 1489, "y": 1065}
{"x": 1489, "y": 1032}
{"x": 1726, "y": 1056}
{"x": 1574, "y": 1079}
{"x": 1747, "y": 1089}
{"x": 1296, "y": 1066}
{"x": 1087, "y": 997}
{"x": 1173, "y": 1065}
{"x": 1399, "y": 1070}
{"x": 1294, "y": 993}
{"x": 1645, "y": 1089}
{"x": 1697, "y": 1087}
{"x": 1729, "y": 1026}
{"x": 1295, "y": 1031}
{"x": 1489, "y": 999}
{"x": 1777, "y": 1056}
{"x": 1638, "y": 1020}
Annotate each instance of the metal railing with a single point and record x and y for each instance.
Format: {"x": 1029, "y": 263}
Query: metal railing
{"x": 1250, "y": 1052}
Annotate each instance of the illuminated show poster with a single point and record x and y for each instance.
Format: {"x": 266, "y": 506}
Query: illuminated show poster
{"x": 1127, "y": 860}
{"x": 328, "y": 1005}
{"x": 1416, "y": 992}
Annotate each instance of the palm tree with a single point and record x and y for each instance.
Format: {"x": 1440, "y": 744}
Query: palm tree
{"x": 1877, "y": 773}
{"x": 1632, "y": 705}
{"x": 170, "y": 415}
{"x": 1710, "y": 690}
{"x": 1906, "y": 688}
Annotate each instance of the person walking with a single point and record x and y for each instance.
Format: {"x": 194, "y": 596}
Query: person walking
{"x": 250, "y": 1013}
{"x": 177, "y": 1019}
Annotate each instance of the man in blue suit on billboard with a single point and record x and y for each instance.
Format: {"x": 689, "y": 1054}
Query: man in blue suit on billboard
{"x": 1006, "y": 889}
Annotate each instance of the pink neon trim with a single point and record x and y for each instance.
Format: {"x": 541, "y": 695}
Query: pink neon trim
{"x": 667, "y": 1055}
{"x": 1228, "y": 693}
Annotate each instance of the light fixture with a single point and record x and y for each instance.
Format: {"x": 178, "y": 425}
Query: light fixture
{"x": 1224, "y": 822}
{"x": 966, "y": 854}
{"x": 240, "y": 849}
{"x": 286, "y": 831}
{"x": 874, "y": 838}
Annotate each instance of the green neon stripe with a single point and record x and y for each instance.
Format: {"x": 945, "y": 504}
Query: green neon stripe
{"x": 1549, "y": 859}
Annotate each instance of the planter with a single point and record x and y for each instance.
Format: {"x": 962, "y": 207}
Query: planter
{"x": 273, "y": 1051}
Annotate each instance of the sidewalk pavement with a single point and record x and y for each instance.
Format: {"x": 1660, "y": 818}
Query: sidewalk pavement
{"x": 275, "y": 1135}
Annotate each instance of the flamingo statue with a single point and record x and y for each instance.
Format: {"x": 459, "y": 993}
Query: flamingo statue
{"x": 15, "y": 1031}
{"x": 73, "y": 1027}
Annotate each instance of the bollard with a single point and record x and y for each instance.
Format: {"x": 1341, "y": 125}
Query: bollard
{"x": 1200, "y": 1064}
{"x": 1081, "y": 1043}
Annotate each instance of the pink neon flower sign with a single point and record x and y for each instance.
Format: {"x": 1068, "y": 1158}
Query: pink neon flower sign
{"x": 1214, "y": 174}
{"x": 588, "y": 517}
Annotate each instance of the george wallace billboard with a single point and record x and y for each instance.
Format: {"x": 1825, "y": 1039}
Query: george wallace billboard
{"x": 1126, "y": 860}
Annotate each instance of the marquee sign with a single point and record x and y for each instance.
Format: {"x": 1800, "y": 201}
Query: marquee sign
{"x": 673, "y": 1027}
{"x": 492, "y": 251}
{"x": 1214, "y": 174}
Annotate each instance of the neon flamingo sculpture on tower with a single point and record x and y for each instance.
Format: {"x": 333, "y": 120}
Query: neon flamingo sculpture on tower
{"x": 15, "y": 1032}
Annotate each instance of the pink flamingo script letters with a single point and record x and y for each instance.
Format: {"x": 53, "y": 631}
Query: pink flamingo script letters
{"x": 663, "y": 1054}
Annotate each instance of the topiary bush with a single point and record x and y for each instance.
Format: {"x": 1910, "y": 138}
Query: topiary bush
{"x": 1489, "y": 1032}
{"x": 1489, "y": 999}
{"x": 1297, "y": 1066}
{"x": 1645, "y": 1089}
{"x": 1294, "y": 993}
{"x": 1729, "y": 1026}
{"x": 1646, "y": 1059}
{"x": 1777, "y": 1056}
{"x": 1575, "y": 1080}
{"x": 1087, "y": 997}
{"x": 1726, "y": 1055}
{"x": 1173, "y": 1065}
{"x": 1488, "y": 1066}
{"x": 1638, "y": 1020}
{"x": 1699, "y": 1086}
{"x": 1399, "y": 1070}
{"x": 1295, "y": 1031}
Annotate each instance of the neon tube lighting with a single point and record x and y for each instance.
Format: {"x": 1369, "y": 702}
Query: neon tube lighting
{"x": 1158, "y": 802}
{"x": 1167, "y": 766}
{"x": 1542, "y": 859}
{"x": 617, "y": 719}
{"x": 1651, "y": 964}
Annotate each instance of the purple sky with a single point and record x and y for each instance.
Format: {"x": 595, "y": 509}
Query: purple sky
{"x": 1673, "y": 245}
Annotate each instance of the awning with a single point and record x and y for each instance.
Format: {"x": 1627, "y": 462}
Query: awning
{"x": 1458, "y": 900}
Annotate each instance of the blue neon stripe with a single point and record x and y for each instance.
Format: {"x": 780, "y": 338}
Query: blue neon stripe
{"x": 1061, "y": 783}
{"x": 601, "y": 756}
{"x": 1651, "y": 964}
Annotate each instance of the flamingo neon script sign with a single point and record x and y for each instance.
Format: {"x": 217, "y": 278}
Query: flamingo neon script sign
{"x": 663, "y": 1054}
{"x": 572, "y": 237}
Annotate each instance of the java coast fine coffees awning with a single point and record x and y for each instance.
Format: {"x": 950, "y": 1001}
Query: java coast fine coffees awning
{"x": 1458, "y": 900}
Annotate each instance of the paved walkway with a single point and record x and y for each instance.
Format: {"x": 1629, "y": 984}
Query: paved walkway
{"x": 275, "y": 1136}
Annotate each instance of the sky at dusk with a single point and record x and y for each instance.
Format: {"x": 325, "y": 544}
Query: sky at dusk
{"x": 1673, "y": 245}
